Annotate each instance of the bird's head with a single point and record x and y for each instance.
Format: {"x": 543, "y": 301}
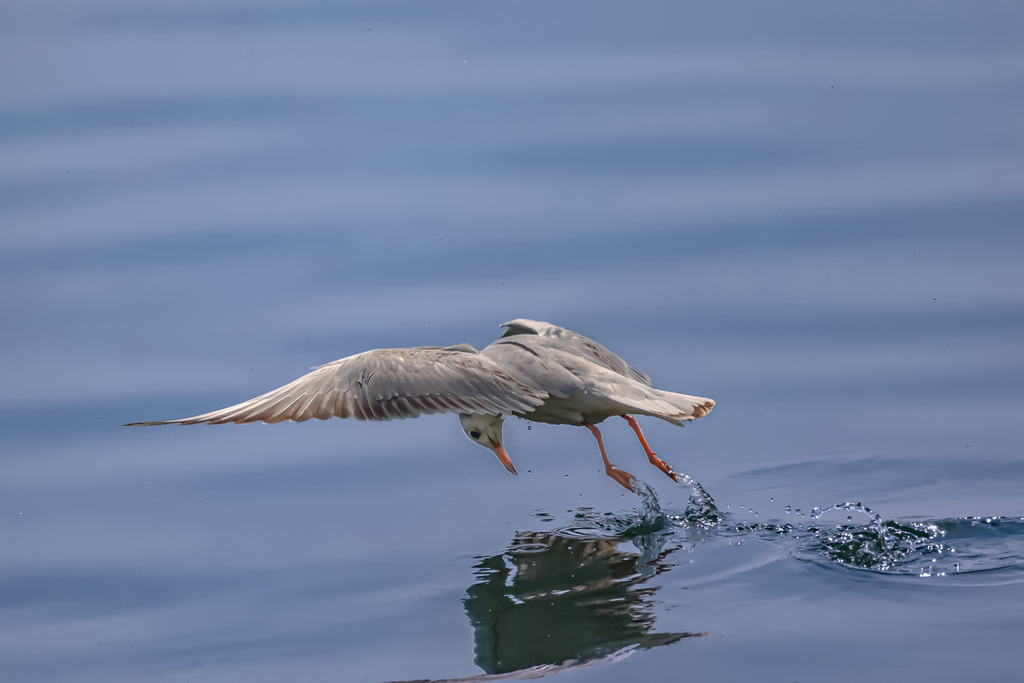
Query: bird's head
{"x": 486, "y": 431}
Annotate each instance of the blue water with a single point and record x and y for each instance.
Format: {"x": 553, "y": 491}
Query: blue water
{"x": 811, "y": 214}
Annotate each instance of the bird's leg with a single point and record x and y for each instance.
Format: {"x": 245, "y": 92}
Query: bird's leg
{"x": 621, "y": 476}
{"x": 651, "y": 455}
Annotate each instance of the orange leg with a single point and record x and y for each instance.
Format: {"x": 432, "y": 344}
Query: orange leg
{"x": 621, "y": 476}
{"x": 651, "y": 455}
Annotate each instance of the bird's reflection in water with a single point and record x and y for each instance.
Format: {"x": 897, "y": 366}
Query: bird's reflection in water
{"x": 555, "y": 600}
{"x": 579, "y": 595}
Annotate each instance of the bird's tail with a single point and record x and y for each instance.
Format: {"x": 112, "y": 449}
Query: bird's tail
{"x": 679, "y": 408}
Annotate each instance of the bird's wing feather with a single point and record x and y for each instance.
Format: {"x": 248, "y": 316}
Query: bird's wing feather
{"x": 578, "y": 344}
{"x": 385, "y": 384}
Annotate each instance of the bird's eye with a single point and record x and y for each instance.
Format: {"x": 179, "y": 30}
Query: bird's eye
{"x": 475, "y": 434}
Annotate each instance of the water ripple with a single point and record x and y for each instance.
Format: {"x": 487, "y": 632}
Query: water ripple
{"x": 588, "y": 590}
{"x": 929, "y": 549}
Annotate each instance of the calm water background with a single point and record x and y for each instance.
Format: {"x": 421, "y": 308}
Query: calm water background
{"x": 811, "y": 214}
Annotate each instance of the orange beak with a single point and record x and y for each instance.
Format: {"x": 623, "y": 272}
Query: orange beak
{"x": 499, "y": 451}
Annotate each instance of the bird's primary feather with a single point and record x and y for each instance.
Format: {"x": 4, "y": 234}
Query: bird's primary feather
{"x": 386, "y": 384}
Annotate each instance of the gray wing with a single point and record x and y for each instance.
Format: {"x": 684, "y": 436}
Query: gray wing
{"x": 578, "y": 344}
{"x": 385, "y": 384}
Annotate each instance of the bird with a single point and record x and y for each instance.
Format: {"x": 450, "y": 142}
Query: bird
{"x": 535, "y": 370}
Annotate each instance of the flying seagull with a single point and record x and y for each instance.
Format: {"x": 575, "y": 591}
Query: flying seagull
{"x": 536, "y": 371}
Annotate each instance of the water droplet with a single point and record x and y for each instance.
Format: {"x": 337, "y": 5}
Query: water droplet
{"x": 529, "y": 427}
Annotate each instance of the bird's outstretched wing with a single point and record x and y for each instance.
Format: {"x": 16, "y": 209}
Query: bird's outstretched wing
{"x": 575, "y": 342}
{"x": 385, "y": 384}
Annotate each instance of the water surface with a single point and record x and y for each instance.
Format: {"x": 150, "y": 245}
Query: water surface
{"x": 810, "y": 214}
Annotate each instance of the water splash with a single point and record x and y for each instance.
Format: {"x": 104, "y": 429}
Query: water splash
{"x": 882, "y": 545}
{"x": 989, "y": 546}
{"x": 649, "y": 519}
{"x": 700, "y": 508}
{"x": 650, "y": 512}
{"x": 877, "y": 524}
{"x": 919, "y": 548}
